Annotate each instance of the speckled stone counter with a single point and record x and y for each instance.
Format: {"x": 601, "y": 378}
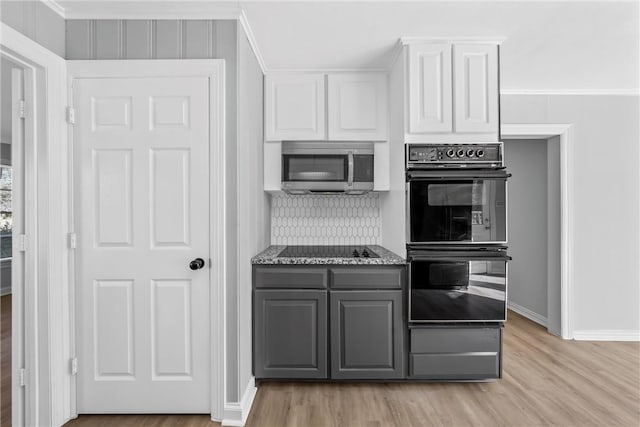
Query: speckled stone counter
{"x": 270, "y": 256}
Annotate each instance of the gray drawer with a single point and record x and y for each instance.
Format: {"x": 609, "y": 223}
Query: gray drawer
{"x": 290, "y": 277}
{"x": 455, "y": 340}
{"x": 366, "y": 278}
{"x": 469, "y": 366}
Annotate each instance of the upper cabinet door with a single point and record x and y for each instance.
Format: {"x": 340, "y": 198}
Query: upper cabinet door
{"x": 358, "y": 106}
{"x": 294, "y": 107}
{"x": 476, "y": 88}
{"x": 430, "y": 88}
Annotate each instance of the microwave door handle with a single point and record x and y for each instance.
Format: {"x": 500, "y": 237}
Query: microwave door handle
{"x": 350, "y": 171}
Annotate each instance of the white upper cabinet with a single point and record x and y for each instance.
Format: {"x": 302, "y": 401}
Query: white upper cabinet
{"x": 430, "y": 88}
{"x": 357, "y": 106}
{"x": 294, "y": 107}
{"x": 353, "y": 107}
{"x": 476, "y": 87}
{"x": 453, "y": 92}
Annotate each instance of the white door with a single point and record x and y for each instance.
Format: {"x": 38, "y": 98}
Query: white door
{"x": 142, "y": 191}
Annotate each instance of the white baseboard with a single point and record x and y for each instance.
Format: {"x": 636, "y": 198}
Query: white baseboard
{"x": 607, "y": 335}
{"x": 541, "y": 320}
{"x": 5, "y": 291}
{"x": 236, "y": 413}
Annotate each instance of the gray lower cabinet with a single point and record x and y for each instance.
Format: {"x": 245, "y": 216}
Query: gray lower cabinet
{"x": 290, "y": 333}
{"x": 456, "y": 353}
{"x": 366, "y": 334}
{"x": 295, "y": 304}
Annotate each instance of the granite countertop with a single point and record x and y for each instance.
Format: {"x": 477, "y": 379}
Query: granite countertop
{"x": 270, "y": 256}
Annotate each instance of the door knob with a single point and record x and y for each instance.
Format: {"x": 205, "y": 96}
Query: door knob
{"x": 196, "y": 264}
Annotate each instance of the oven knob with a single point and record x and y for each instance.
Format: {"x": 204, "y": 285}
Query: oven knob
{"x": 480, "y": 153}
{"x": 461, "y": 153}
{"x": 451, "y": 152}
{"x": 471, "y": 152}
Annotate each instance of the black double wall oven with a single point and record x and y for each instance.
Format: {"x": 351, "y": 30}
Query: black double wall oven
{"x": 456, "y": 233}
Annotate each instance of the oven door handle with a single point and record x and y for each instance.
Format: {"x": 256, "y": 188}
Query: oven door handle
{"x": 458, "y": 258}
{"x": 350, "y": 171}
{"x": 456, "y": 174}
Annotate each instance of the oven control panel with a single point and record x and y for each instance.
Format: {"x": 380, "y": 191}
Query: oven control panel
{"x": 424, "y": 156}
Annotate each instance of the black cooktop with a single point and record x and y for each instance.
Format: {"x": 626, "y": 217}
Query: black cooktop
{"x": 327, "y": 252}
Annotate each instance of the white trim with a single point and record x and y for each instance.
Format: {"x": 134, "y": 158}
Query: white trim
{"x": 55, "y": 6}
{"x": 214, "y": 70}
{"x": 607, "y": 335}
{"x": 252, "y": 40}
{"x": 45, "y": 318}
{"x": 458, "y": 39}
{"x": 395, "y": 55}
{"x": 159, "y": 10}
{"x": 236, "y": 413}
{"x": 531, "y": 315}
{"x": 569, "y": 92}
{"x": 564, "y": 131}
{"x": 325, "y": 70}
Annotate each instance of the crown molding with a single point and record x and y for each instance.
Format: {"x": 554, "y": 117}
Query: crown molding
{"x": 591, "y": 92}
{"x": 252, "y": 40}
{"x": 459, "y": 39}
{"x": 56, "y": 7}
{"x": 152, "y": 10}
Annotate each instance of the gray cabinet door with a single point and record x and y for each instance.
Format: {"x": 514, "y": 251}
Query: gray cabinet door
{"x": 290, "y": 334}
{"x": 366, "y": 334}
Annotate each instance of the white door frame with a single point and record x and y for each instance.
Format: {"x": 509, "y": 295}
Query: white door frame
{"x": 44, "y": 322}
{"x": 214, "y": 70}
{"x": 564, "y": 131}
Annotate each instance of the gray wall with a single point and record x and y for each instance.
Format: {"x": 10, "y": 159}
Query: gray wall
{"x": 606, "y": 230}
{"x": 141, "y": 39}
{"x": 37, "y": 21}
{"x": 527, "y": 211}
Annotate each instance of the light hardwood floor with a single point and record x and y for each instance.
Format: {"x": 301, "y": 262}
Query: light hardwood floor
{"x": 5, "y": 363}
{"x": 547, "y": 381}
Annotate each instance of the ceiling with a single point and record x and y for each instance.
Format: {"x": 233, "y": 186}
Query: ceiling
{"x": 548, "y": 45}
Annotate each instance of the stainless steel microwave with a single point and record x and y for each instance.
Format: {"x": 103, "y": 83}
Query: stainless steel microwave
{"x": 327, "y": 167}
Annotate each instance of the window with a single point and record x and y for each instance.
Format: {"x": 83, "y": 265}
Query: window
{"x": 6, "y": 212}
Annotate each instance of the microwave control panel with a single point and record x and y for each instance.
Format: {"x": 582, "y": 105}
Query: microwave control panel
{"x": 454, "y": 155}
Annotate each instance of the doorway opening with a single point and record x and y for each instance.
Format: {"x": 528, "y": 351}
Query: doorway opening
{"x": 549, "y": 177}
{"x": 534, "y": 225}
{"x": 12, "y": 142}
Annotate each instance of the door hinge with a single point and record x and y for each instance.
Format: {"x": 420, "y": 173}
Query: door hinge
{"x": 74, "y": 366}
{"x": 22, "y": 109}
{"x": 71, "y": 115}
{"x": 22, "y": 242}
{"x": 72, "y": 240}
{"x": 21, "y": 377}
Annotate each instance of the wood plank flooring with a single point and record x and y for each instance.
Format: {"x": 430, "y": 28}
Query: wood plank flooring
{"x": 547, "y": 381}
{"x": 5, "y": 362}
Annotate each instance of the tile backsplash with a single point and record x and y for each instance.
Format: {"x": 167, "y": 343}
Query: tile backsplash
{"x": 325, "y": 220}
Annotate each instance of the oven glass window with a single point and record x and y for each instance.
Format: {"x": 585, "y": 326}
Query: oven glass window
{"x": 458, "y": 211}
{"x": 303, "y": 167}
{"x": 458, "y": 290}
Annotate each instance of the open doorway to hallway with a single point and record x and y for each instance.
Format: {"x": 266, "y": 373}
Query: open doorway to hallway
{"x": 11, "y": 92}
{"x": 534, "y": 230}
